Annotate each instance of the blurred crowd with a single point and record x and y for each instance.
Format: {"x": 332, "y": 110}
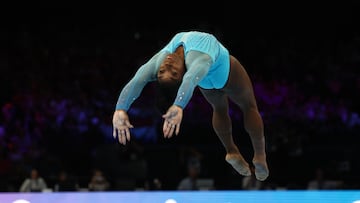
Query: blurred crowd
{"x": 59, "y": 86}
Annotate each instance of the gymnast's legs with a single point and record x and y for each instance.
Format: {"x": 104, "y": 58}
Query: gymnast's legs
{"x": 222, "y": 125}
{"x": 239, "y": 89}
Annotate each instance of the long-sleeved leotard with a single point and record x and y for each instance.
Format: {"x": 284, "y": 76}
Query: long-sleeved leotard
{"x": 207, "y": 65}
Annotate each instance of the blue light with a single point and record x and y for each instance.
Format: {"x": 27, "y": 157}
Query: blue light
{"x": 334, "y": 196}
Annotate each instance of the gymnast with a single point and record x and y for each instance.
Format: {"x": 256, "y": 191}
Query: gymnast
{"x": 197, "y": 59}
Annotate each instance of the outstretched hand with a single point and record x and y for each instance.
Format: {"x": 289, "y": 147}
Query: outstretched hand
{"x": 121, "y": 126}
{"x": 172, "y": 121}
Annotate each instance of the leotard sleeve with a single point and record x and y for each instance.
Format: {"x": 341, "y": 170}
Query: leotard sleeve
{"x": 145, "y": 74}
{"x": 198, "y": 65}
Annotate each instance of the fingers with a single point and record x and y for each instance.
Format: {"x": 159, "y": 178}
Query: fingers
{"x": 127, "y": 134}
{"x": 123, "y": 135}
{"x": 169, "y": 129}
{"x": 128, "y": 124}
{"x": 171, "y": 113}
{"x": 122, "y": 130}
{"x": 177, "y": 129}
{"x": 165, "y": 129}
{"x": 166, "y": 115}
{"x": 114, "y": 132}
{"x": 122, "y": 138}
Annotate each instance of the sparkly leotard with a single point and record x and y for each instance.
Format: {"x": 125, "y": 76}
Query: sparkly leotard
{"x": 207, "y": 62}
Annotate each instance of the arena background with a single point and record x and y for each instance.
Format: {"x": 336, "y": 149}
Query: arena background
{"x": 62, "y": 69}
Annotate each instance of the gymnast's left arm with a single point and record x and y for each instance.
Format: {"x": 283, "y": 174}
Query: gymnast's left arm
{"x": 198, "y": 65}
{"x": 146, "y": 73}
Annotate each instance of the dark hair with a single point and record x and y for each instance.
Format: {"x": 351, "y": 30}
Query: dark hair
{"x": 166, "y": 94}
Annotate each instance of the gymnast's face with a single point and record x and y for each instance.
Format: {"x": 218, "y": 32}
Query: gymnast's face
{"x": 172, "y": 69}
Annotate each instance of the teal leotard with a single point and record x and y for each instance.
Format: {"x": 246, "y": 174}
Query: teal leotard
{"x": 207, "y": 62}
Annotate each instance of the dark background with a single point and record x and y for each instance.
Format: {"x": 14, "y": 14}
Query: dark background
{"x": 62, "y": 69}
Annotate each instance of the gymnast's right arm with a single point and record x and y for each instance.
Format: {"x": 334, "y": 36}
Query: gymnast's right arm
{"x": 145, "y": 74}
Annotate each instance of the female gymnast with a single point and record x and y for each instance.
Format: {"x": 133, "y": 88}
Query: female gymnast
{"x": 197, "y": 59}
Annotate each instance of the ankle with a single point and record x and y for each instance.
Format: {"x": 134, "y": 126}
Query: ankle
{"x": 259, "y": 159}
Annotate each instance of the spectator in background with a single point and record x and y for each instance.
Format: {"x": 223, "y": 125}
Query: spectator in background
{"x": 98, "y": 181}
{"x": 153, "y": 184}
{"x": 65, "y": 183}
{"x": 34, "y": 183}
{"x": 193, "y": 172}
{"x": 320, "y": 182}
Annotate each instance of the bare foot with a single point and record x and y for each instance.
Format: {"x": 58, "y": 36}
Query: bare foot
{"x": 261, "y": 170}
{"x": 238, "y": 163}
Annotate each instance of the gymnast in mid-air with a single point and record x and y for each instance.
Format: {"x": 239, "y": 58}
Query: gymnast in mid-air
{"x": 197, "y": 59}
